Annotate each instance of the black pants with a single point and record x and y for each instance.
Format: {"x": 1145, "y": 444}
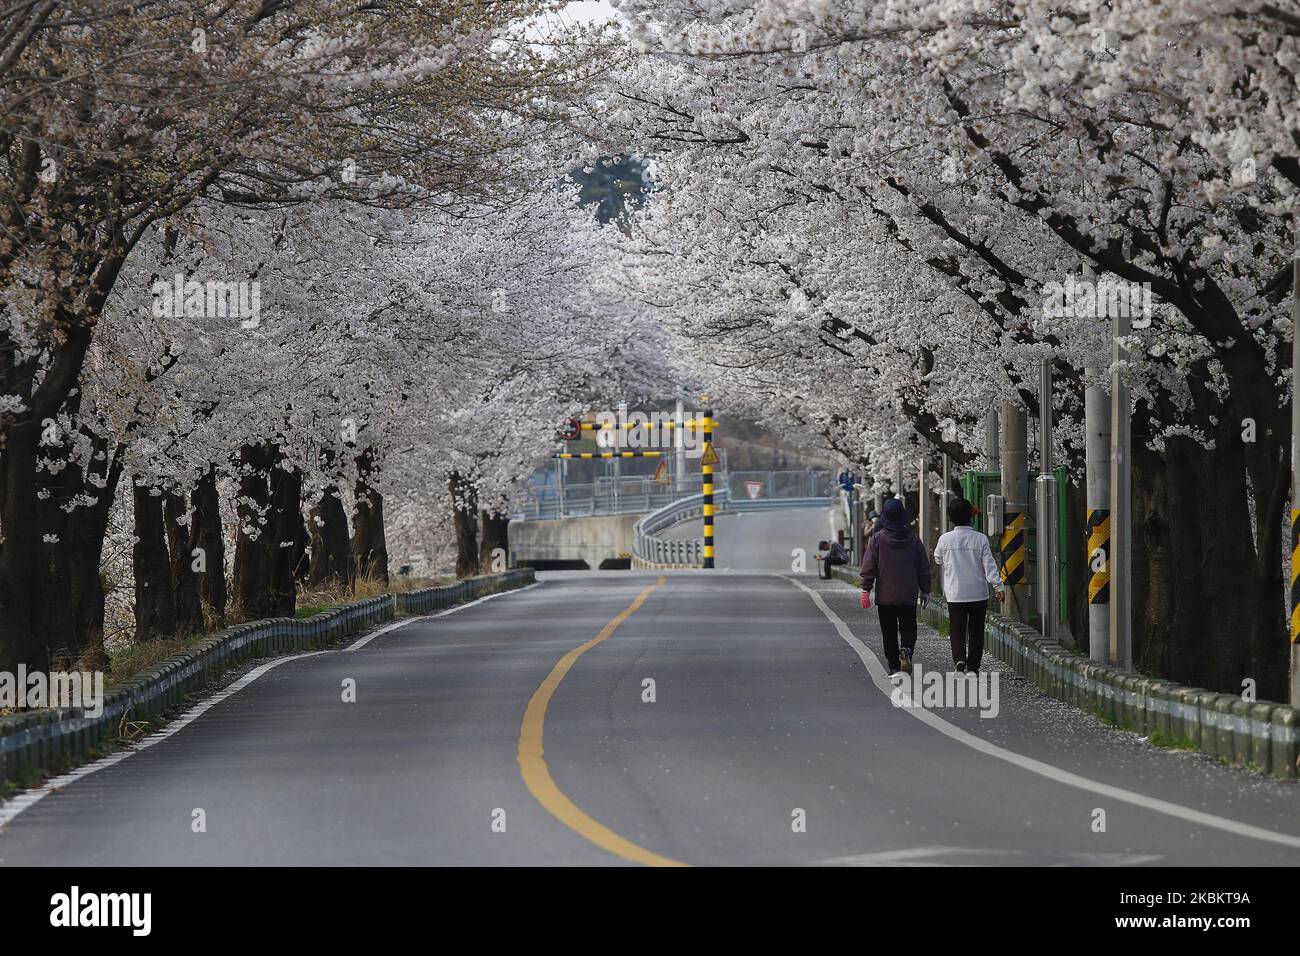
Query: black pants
{"x": 895, "y": 618}
{"x": 966, "y": 632}
{"x": 828, "y": 563}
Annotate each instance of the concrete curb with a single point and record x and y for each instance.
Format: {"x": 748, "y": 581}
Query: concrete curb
{"x": 42, "y": 741}
{"x": 1259, "y": 735}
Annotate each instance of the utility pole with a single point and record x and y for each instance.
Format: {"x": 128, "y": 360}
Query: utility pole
{"x": 945, "y": 494}
{"x": 1295, "y": 484}
{"x": 1096, "y": 411}
{"x": 923, "y": 507}
{"x": 1121, "y": 515}
{"x": 1046, "y": 498}
{"x": 1014, "y": 459}
{"x": 679, "y": 451}
{"x": 855, "y": 522}
{"x": 559, "y": 486}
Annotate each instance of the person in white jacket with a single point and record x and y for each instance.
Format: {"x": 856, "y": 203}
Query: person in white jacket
{"x": 968, "y": 570}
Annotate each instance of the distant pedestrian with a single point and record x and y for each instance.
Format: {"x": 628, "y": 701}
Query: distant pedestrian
{"x": 968, "y": 570}
{"x": 832, "y": 554}
{"x": 874, "y": 524}
{"x": 895, "y": 563}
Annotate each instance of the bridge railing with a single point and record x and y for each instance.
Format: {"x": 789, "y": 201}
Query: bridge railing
{"x": 650, "y": 549}
{"x": 772, "y": 484}
{"x": 641, "y": 494}
{"x": 624, "y": 494}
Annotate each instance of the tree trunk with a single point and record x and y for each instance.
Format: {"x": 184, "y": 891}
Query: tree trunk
{"x": 290, "y": 539}
{"x": 464, "y": 512}
{"x": 86, "y": 530}
{"x": 27, "y": 609}
{"x": 331, "y": 552}
{"x": 256, "y": 540}
{"x": 56, "y": 619}
{"x": 155, "y": 609}
{"x": 207, "y": 540}
{"x": 70, "y": 566}
{"x": 1195, "y": 574}
{"x": 369, "y": 546}
{"x": 496, "y": 541}
{"x": 185, "y": 580}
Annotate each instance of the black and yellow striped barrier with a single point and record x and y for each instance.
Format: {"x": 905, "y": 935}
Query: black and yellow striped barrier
{"x": 1099, "y": 540}
{"x": 707, "y": 488}
{"x": 1295, "y": 575}
{"x": 628, "y": 426}
{"x": 610, "y": 454}
{"x": 1013, "y": 549}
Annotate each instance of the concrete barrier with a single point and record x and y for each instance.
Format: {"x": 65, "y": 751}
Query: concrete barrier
{"x": 1261, "y": 735}
{"x": 44, "y": 741}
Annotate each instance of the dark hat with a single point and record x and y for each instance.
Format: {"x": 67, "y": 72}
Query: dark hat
{"x": 894, "y": 515}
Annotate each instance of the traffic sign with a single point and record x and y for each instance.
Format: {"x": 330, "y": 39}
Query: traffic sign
{"x": 710, "y": 456}
{"x": 661, "y": 473}
{"x": 754, "y": 489}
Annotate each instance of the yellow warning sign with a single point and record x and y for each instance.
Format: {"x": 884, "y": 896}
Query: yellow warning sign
{"x": 710, "y": 456}
{"x": 661, "y": 473}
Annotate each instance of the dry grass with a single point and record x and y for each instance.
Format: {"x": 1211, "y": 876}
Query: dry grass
{"x": 323, "y": 598}
{"x": 126, "y": 662}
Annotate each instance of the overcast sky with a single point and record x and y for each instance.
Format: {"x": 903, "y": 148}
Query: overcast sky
{"x": 589, "y": 10}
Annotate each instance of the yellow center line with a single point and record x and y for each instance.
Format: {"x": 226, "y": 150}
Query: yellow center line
{"x": 538, "y": 777}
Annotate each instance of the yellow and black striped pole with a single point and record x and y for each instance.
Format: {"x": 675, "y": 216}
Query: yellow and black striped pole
{"x": 610, "y": 454}
{"x": 1013, "y": 549}
{"x": 1098, "y": 556}
{"x": 1295, "y": 578}
{"x": 629, "y": 426}
{"x": 706, "y": 486}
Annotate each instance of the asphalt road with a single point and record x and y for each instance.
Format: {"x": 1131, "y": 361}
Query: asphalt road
{"x": 761, "y": 540}
{"x": 763, "y": 715}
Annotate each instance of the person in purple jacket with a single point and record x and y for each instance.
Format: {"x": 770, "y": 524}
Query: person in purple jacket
{"x": 896, "y": 564}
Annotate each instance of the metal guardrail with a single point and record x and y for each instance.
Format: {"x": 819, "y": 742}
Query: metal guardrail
{"x": 641, "y": 494}
{"x": 626, "y": 494}
{"x": 777, "y": 504}
{"x": 773, "y": 484}
{"x": 677, "y": 552}
{"x": 689, "y": 552}
{"x": 1258, "y": 735}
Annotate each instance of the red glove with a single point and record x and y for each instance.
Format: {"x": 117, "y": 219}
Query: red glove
{"x": 866, "y": 600}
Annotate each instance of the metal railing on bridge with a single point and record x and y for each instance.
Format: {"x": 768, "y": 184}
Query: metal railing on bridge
{"x": 642, "y": 494}
{"x": 654, "y": 551}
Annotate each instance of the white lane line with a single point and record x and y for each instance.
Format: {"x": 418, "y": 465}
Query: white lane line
{"x": 925, "y": 856}
{"x": 29, "y": 798}
{"x": 881, "y": 679}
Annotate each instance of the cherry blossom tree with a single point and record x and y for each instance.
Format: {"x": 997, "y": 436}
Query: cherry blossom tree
{"x": 892, "y": 193}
